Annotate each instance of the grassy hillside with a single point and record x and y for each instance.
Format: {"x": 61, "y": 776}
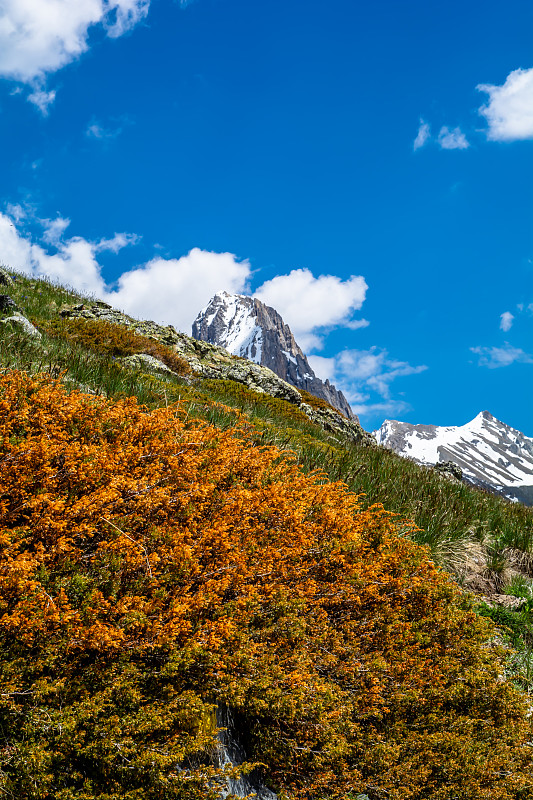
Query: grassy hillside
{"x": 454, "y": 518}
{"x": 164, "y": 559}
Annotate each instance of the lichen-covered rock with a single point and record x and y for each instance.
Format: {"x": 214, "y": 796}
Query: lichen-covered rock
{"x": 336, "y": 423}
{"x": 205, "y": 360}
{"x": 142, "y": 361}
{"x": 449, "y": 469}
{"x": 23, "y": 324}
{"x": 7, "y": 304}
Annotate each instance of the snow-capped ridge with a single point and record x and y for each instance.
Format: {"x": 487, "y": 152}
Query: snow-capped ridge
{"x": 489, "y": 452}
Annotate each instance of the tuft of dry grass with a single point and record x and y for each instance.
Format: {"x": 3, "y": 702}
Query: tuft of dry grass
{"x": 114, "y": 340}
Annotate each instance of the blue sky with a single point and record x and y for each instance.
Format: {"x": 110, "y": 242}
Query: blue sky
{"x": 366, "y": 168}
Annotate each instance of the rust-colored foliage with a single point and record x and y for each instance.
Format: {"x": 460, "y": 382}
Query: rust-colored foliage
{"x": 152, "y": 568}
{"x": 110, "y": 339}
{"x": 318, "y": 402}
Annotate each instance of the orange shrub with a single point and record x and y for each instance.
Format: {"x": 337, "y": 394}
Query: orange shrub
{"x": 111, "y": 339}
{"x": 153, "y": 568}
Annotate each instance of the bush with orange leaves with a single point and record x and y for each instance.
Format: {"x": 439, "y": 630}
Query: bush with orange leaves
{"x": 153, "y": 568}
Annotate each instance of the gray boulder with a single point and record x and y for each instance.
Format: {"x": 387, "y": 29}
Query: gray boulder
{"x": 23, "y": 325}
{"x": 143, "y": 361}
{"x": 449, "y": 469}
{"x": 7, "y": 305}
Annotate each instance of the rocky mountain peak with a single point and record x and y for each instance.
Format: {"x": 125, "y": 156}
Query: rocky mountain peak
{"x": 248, "y": 328}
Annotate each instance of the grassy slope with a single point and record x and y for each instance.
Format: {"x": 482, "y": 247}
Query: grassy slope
{"x": 464, "y": 527}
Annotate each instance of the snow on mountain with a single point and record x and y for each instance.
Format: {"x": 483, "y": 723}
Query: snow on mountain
{"x": 242, "y": 335}
{"x": 250, "y": 329}
{"x": 489, "y": 452}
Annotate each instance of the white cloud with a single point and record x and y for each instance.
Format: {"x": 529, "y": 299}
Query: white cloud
{"x": 97, "y": 131}
{"x": 171, "y": 291}
{"x": 16, "y": 212}
{"x": 374, "y": 368}
{"x": 324, "y": 367}
{"x": 506, "y": 321}
{"x": 117, "y": 242}
{"x": 42, "y": 99}
{"x": 365, "y": 377}
{"x": 356, "y": 324}
{"x": 447, "y": 139}
{"x": 123, "y": 15}
{"x": 422, "y": 136}
{"x": 452, "y": 140}
{"x": 54, "y": 229}
{"x": 386, "y": 409}
{"x": 39, "y": 37}
{"x": 495, "y": 357}
{"x": 308, "y": 304}
{"x": 509, "y": 111}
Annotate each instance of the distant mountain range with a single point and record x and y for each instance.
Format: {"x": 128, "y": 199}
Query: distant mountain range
{"x": 490, "y": 453}
{"x": 248, "y": 328}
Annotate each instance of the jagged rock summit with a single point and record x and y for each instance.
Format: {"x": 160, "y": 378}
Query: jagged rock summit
{"x": 248, "y": 328}
{"x": 490, "y": 453}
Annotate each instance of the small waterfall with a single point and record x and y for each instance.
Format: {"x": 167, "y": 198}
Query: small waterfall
{"x": 230, "y": 753}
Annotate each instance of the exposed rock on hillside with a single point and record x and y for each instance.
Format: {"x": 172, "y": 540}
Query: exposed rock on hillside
{"x": 209, "y": 361}
{"x": 248, "y": 328}
{"x": 20, "y": 322}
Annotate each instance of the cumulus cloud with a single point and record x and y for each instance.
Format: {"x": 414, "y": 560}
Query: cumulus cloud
{"x": 452, "y": 139}
{"x": 509, "y": 110}
{"x": 171, "y": 291}
{"x": 506, "y": 321}
{"x": 495, "y": 357}
{"x": 72, "y": 263}
{"x": 422, "y": 136}
{"x": 365, "y": 377}
{"x": 174, "y": 290}
{"x": 309, "y": 305}
{"x": 39, "y": 37}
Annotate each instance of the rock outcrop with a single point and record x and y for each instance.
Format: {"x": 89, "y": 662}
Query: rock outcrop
{"x": 248, "y": 328}
{"x": 209, "y": 361}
